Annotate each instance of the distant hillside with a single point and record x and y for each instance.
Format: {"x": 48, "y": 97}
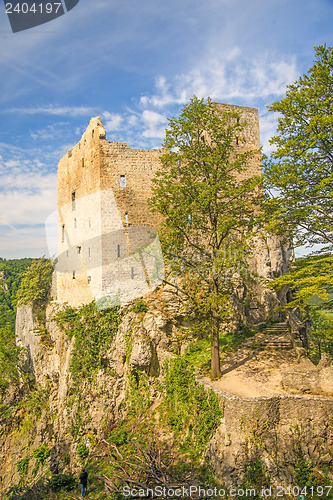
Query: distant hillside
{"x": 11, "y": 273}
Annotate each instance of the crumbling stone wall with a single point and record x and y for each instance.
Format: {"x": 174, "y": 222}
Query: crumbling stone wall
{"x": 103, "y": 188}
{"x": 275, "y": 430}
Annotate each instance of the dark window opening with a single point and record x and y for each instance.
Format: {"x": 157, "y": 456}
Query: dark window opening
{"x": 78, "y": 249}
{"x": 82, "y": 162}
{"x": 73, "y": 200}
{"x": 236, "y": 141}
{"x": 92, "y": 133}
{"x": 126, "y": 218}
{"x": 122, "y": 181}
{"x": 118, "y": 251}
{"x": 237, "y": 121}
{"x": 73, "y": 275}
{"x": 89, "y": 279}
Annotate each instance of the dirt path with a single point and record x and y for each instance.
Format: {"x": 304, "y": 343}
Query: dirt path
{"x": 259, "y": 376}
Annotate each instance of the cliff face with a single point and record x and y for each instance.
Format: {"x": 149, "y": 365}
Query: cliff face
{"x": 280, "y": 432}
{"x": 63, "y": 415}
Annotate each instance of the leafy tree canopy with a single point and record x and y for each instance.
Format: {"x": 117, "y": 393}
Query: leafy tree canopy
{"x": 298, "y": 175}
{"x": 36, "y": 282}
{"x": 207, "y": 199}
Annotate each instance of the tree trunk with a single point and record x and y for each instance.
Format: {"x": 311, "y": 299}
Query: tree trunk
{"x": 215, "y": 349}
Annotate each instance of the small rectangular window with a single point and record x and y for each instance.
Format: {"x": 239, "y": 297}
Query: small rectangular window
{"x": 78, "y": 249}
{"x": 89, "y": 279}
{"x": 73, "y": 200}
{"x": 73, "y": 275}
{"x": 126, "y": 218}
{"x": 63, "y": 233}
{"x": 236, "y": 141}
{"x": 82, "y": 162}
{"x": 118, "y": 251}
{"x": 122, "y": 181}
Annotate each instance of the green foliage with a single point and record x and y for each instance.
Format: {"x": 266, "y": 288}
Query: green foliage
{"x": 310, "y": 278}
{"x": 191, "y": 411}
{"x": 255, "y": 476}
{"x": 82, "y": 451}
{"x": 11, "y": 273}
{"x": 207, "y": 199}
{"x": 140, "y": 306}
{"x": 299, "y": 173}
{"x": 23, "y": 466}
{"x": 9, "y": 356}
{"x": 62, "y": 482}
{"x": 41, "y": 454}
{"x": 137, "y": 394}
{"x": 198, "y": 354}
{"x": 305, "y": 473}
{"x": 93, "y": 331}
{"x": 321, "y": 339}
{"x": 36, "y": 282}
{"x": 33, "y": 405}
{"x": 119, "y": 436}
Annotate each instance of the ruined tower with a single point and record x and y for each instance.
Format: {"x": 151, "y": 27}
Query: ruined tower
{"x": 107, "y": 240}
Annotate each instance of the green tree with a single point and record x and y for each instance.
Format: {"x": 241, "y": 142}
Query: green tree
{"x": 36, "y": 282}
{"x": 298, "y": 175}
{"x": 9, "y": 356}
{"x": 208, "y": 202}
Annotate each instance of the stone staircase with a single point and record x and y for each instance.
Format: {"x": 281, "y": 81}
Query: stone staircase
{"x": 275, "y": 337}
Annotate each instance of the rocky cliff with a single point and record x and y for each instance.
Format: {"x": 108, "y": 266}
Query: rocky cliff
{"x": 67, "y": 414}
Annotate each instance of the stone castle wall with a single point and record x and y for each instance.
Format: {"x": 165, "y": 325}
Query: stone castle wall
{"x": 103, "y": 188}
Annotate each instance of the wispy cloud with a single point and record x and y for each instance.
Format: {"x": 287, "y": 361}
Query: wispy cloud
{"x": 228, "y": 78}
{"x": 68, "y": 111}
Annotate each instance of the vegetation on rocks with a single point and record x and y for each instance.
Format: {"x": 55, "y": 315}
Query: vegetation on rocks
{"x": 92, "y": 331}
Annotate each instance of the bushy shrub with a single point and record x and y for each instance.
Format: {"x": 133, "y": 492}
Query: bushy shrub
{"x": 119, "y": 437}
{"x": 62, "y": 482}
{"x": 36, "y": 282}
{"x": 23, "y": 466}
{"x": 190, "y": 410}
{"x": 82, "y": 451}
{"x": 93, "y": 331}
{"x": 140, "y": 306}
{"x": 41, "y": 454}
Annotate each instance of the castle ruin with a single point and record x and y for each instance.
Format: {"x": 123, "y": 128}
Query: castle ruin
{"x": 107, "y": 240}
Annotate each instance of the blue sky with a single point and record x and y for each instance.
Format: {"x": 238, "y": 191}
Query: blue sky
{"x": 134, "y": 63}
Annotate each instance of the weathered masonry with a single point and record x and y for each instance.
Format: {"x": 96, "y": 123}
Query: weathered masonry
{"x": 107, "y": 243}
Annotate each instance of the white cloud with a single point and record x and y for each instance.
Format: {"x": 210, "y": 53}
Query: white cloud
{"x": 154, "y": 124}
{"x": 71, "y": 111}
{"x": 227, "y": 78}
{"x": 16, "y": 243}
{"x": 113, "y": 121}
